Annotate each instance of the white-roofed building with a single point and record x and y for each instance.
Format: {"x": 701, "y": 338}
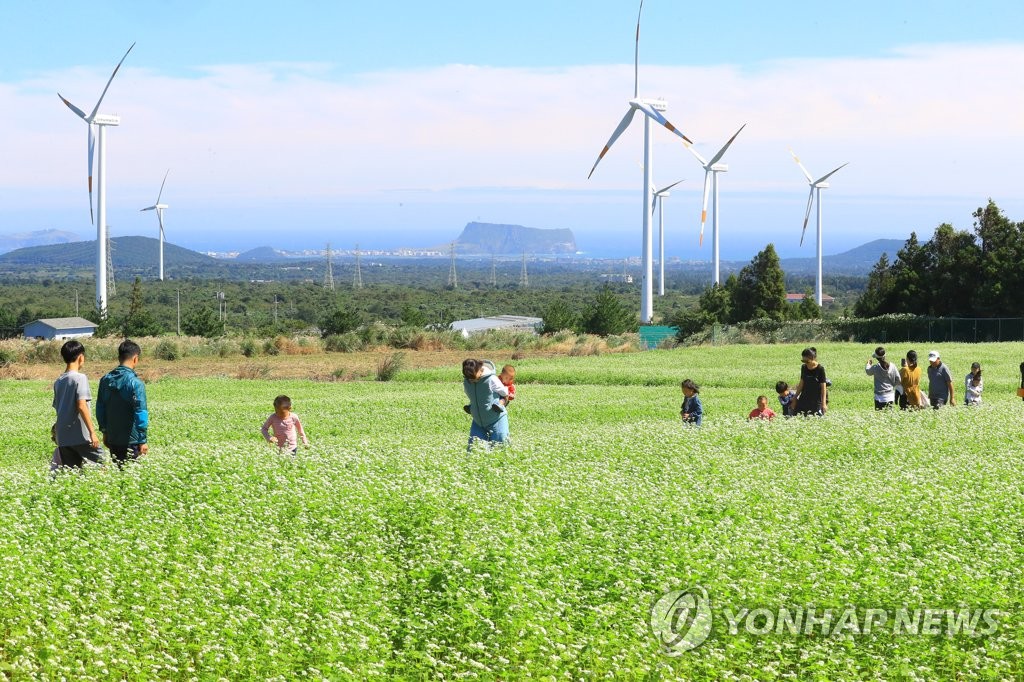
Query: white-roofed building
{"x": 515, "y": 323}
{"x": 60, "y": 328}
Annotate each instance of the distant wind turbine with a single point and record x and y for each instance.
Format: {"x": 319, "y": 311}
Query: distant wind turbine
{"x": 101, "y": 121}
{"x": 659, "y": 204}
{"x": 159, "y": 208}
{"x": 816, "y": 187}
{"x": 652, "y": 112}
{"x": 711, "y": 170}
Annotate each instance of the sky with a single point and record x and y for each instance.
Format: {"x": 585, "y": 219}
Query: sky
{"x": 294, "y": 124}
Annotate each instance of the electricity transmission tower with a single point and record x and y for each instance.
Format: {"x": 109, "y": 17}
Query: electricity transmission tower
{"x": 453, "y": 277}
{"x": 111, "y": 282}
{"x": 524, "y": 279}
{"x": 494, "y": 277}
{"x": 329, "y": 277}
{"x": 357, "y": 278}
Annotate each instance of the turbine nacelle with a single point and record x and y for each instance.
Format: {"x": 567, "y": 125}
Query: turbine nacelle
{"x": 105, "y": 120}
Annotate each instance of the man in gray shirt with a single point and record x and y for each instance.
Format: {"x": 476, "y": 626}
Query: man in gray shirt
{"x": 73, "y": 432}
{"x": 887, "y": 377}
{"x": 940, "y": 382}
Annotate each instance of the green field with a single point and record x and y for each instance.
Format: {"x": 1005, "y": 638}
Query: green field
{"x": 385, "y": 550}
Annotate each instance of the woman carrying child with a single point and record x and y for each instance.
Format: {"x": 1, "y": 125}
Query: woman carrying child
{"x": 485, "y": 392}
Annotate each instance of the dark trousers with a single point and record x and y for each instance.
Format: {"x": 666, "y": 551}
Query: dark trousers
{"x": 902, "y": 400}
{"x": 75, "y": 456}
{"x": 883, "y": 406}
{"x": 123, "y": 453}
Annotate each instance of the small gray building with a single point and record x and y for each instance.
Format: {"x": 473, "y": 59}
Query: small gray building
{"x": 517, "y": 323}
{"x": 60, "y": 328}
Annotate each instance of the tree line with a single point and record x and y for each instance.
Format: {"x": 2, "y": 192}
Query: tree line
{"x": 956, "y": 273}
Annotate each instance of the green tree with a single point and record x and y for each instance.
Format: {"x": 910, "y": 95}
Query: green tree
{"x": 558, "y": 316}
{"x": 808, "y": 309}
{"x": 716, "y": 302}
{"x": 137, "y": 321}
{"x": 412, "y": 316}
{"x": 760, "y": 288}
{"x": 339, "y": 321}
{"x": 998, "y": 277}
{"x": 608, "y": 315}
{"x": 201, "y": 321}
{"x": 8, "y": 323}
{"x": 879, "y": 292}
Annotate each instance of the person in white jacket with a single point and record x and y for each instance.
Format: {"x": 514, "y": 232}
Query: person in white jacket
{"x": 973, "y": 386}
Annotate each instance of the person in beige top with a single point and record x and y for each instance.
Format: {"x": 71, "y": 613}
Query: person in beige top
{"x": 910, "y": 377}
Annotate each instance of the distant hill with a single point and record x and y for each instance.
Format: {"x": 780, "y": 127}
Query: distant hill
{"x": 262, "y": 254}
{"x": 20, "y": 240}
{"x": 856, "y": 261}
{"x": 489, "y": 238}
{"x": 128, "y": 253}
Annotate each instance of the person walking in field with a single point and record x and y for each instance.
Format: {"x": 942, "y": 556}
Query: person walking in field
{"x": 485, "y": 392}
{"x": 283, "y": 428}
{"x": 886, "y": 378}
{"x": 692, "y": 410}
{"x": 121, "y": 409}
{"x": 910, "y": 377}
{"x": 787, "y": 399}
{"x": 940, "y": 382}
{"x": 811, "y": 392}
{"x": 973, "y": 385}
{"x": 73, "y": 432}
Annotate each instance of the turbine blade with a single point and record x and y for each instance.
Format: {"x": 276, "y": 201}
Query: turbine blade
{"x": 71, "y": 106}
{"x": 148, "y": 208}
{"x": 656, "y": 116}
{"x": 162, "y": 186}
{"x": 92, "y": 149}
{"x": 636, "y": 54}
{"x": 807, "y": 215}
{"x": 823, "y": 178}
{"x": 665, "y": 189}
{"x": 721, "y": 152}
{"x": 104, "y": 93}
{"x": 623, "y": 124}
{"x": 704, "y": 210}
{"x": 806, "y": 174}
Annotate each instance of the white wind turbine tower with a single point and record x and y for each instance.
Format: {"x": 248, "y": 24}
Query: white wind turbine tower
{"x": 659, "y": 203}
{"x": 816, "y": 187}
{"x": 711, "y": 170}
{"x": 101, "y": 121}
{"x": 652, "y": 111}
{"x": 159, "y": 208}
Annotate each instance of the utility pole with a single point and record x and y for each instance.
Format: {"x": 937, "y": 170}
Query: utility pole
{"x": 453, "y": 277}
{"x": 275, "y": 310}
{"x": 329, "y": 277}
{"x": 76, "y": 302}
{"x": 179, "y": 312}
{"x": 524, "y": 279}
{"x": 357, "y": 279}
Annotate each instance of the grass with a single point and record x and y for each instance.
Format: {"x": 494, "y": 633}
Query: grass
{"x": 384, "y": 549}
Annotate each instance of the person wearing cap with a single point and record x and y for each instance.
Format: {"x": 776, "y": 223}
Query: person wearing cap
{"x": 910, "y": 377}
{"x": 940, "y": 382}
{"x": 886, "y": 377}
{"x": 973, "y": 385}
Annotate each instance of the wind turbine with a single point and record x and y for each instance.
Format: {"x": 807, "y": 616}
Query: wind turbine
{"x": 651, "y": 110}
{"x": 101, "y": 121}
{"x": 159, "y": 208}
{"x": 659, "y": 203}
{"x": 816, "y": 187}
{"x": 711, "y": 170}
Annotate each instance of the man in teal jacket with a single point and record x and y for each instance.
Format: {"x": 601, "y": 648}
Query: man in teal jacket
{"x": 121, "y": 407}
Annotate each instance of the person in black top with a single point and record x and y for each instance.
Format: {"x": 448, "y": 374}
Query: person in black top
{"x": 811, "y": 391}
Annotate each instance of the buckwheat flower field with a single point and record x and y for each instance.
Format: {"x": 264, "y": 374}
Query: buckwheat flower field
{"x": 385, "y": 550}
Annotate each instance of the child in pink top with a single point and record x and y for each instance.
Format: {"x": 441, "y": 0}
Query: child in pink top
{"x": 762, "y": 411}
{"x": 286, "y": 426}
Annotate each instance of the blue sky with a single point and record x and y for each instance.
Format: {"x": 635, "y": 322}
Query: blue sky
{"x": 396, "y": 124}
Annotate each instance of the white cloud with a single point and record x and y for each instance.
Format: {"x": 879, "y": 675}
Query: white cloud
{"x": 926, "y": 121}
